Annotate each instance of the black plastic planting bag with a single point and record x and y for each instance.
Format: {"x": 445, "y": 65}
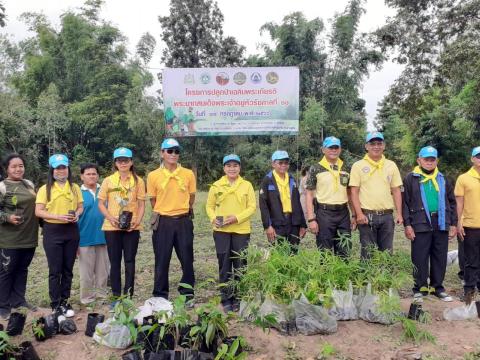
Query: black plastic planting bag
{"x": 344, "y": 307}
{"x": 312, "y": 319}
{"x": 15, "y": 325}
{"x": 284, "y": 315}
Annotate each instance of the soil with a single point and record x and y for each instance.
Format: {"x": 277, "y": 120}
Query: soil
{"x": 353, "y": 340}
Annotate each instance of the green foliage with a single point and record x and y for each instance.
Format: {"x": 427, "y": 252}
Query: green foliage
{"x": 5, "y": 346}
{"x": 412, "y": 332}
{"x": 275, "y": 273}
{"x": 124, "y": 313}
{"x": 226, "y": 352}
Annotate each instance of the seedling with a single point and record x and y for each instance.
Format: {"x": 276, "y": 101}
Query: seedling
{"x": 412, "y": 332}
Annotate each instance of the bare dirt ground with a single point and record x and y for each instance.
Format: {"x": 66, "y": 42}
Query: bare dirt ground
{"x": 353, "y": 340}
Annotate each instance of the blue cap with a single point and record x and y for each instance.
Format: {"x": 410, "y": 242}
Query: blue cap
{"x": 169, "y": 143}
{"x": 476, "y": 151}
{"x": 374, "y": 135}
{"x": 231, "y": 157}
{"x": 280, "y": 155}
{"x": 57, "y": 160}
{"x": 122, "y": 152}
{"x": 331, "y": 141}
{"x": 428, "y": 151}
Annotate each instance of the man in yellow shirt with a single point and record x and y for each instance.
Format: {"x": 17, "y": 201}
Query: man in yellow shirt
{"x": 467, "y": 194}
{"x": 375, "y": 191}
{"x": 327, "y": 200}
{"x": 280, "y": 207}
{"x": 171, "y": 189}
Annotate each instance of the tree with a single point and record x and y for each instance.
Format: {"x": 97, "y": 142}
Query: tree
{"x": 145, "y": 47}
{"x": 193, "y": 36}
{"x": 2, "y": 15}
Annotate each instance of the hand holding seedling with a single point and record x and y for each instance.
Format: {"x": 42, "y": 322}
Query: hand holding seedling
{"x": 230, "y": 219}
{"x": 113, "y": 220}
{"x": 15, "y": 219}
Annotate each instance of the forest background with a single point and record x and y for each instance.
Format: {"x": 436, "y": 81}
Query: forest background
{"x": 76, "y": 89}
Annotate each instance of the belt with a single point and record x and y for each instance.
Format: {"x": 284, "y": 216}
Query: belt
{"x": 181, "y": 216}
{"x": 287, "y": 215}
{"x": 378, "y": 212}
{"x": 332, "y": 206}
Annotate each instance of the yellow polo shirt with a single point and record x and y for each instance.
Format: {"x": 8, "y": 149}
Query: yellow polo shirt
{"x": 241, "y": 204}
{"x": 172, "y": 195}
{"x": 375, "y": 188}
{"x": 469, "y": 187}
{"x": 61, "y": 200}
{"x": 328, "y": 189}
{"x": 109, "y": 192}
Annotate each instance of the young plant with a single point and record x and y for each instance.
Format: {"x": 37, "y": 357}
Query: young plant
{"x": 226, "y": 352}
{"x": 212, "y": 323}
{"x": 38, "y": 329}
{"x": 124, "y": 313}
{"x": 6, "y": 348}
{"x": 327, "y": 350}
{"x": 412, "y": 332}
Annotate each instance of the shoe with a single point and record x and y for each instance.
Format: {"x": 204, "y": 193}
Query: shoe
{"x": 418, "y": 298}
{"x": 29, "y": 306}
{"x": 65, "y": 309}
{"x": 4, "y": 314}
{"x": 443, "y": 296}
{"x": 227, "y": 307}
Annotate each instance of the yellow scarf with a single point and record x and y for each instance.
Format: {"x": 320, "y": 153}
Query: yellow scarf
{"x": 428, "y": 177}
{"x": 473, "y": 173}
{"x": 117, "y": 181}
{"x": 335, "y": 173}
{"x": 65, "y": 191}
{"x": 376, "y": 165}
{"x": 284, "y": 190}
{"x": 228, "y": 189}
{"x": 172, "y": 175}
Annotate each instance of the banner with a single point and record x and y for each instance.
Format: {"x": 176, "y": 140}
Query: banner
{"x": 231, "y": 101}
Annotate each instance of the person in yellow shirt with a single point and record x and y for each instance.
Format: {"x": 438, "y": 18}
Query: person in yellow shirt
{"x": 59, "y": 203}
{"x": 279, "y": 201}
{"x": 171, "y": 189}
{"x": 467, "y": 194}
{"x": 375, "y": 191}
{"x": 327, "y": 200}
{"x": 122, "y": 203}
{"x": 230, "y": 205}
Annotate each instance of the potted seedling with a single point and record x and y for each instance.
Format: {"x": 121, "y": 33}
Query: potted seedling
{"x": 17, "y": 212}
{"x": 16, "y": 322}
{"x": 7, "y": 350}
{"x": 124, "y": 217}
{"x": 232, "y": 349}
{"x": 38, "y": 329}
{"x": 92, "y": 320}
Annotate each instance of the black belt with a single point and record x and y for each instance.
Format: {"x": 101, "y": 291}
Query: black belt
{"x": 378, "y": 212}
{"x": 332, "y": 206}
{"x": 181, "y": 216}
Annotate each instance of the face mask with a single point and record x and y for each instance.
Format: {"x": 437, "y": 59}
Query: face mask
{"x": 62, "y": 179}
{"x": 427, "y": 171}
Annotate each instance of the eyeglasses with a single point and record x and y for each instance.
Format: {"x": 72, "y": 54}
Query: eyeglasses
{"x": 173, "y": 151}
{"x": 123, "y": 160}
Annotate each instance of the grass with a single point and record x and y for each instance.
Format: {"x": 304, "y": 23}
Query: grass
{"x": 206, "y": 266}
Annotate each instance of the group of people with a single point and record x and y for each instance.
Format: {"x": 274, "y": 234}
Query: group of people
{"x": 101, "y": 224}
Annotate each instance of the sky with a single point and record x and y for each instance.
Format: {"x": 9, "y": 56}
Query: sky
{"x": 242, "y": 19}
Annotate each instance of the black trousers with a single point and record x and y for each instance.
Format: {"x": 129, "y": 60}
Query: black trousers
{"x": 228, "y": 246}
{"x": 122, "y": 243}
{"x": 378, "y": 233}
{"x": 288, "y": 233}
{"x": 461, "y": 259}
{"x": 334, "y": 231}
{"x": 60, "y": 242}
{"x": 13, "y": 276}
{"x": 429, "y": 256}
{"x": 173, "y": 233}
{"x": 472, "y": 258}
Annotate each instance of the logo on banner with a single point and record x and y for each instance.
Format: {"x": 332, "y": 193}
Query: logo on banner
{"x": 189, "y": 79}
{"x": 256, "y": 77}
{"x": 222, "y": 78}
{"x": 239, "y": 78}
{"x": 205, "y": 78}
{"x": 272, "y": 77}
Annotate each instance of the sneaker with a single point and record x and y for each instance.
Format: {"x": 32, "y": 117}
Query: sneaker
{"x": 418, "y": 298}
{"x": 4, "y": 314}
{"x": 190, "y": 304}
{"x": 66, "y": 310}
{"x": 443, "y": 296}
